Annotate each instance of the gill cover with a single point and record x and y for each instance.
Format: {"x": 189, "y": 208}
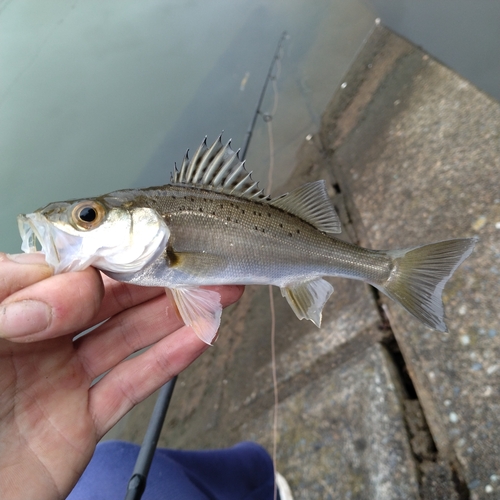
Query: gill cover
{"x": 76, "y": 235}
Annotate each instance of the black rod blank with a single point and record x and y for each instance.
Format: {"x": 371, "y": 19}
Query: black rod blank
{"x": 249, "y": 133}
{"x": 137, "y": 482}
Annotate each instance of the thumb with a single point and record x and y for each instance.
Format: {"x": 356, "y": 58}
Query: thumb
{"x": 50, "y": 308}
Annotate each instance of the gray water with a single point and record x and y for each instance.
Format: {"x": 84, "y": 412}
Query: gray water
{"x": 99, "y": 95}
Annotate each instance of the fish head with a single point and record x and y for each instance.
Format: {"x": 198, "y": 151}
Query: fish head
{"x": 110, "y": 233}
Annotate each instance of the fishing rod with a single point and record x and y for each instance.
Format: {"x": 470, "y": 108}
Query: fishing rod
{"x": 137, "y": 482}
{"x": 269, "y": 76}
{"x": 138, "y": 479}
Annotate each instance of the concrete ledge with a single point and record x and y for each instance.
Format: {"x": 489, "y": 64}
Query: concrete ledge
{"x": 344, "y": 435}
{"x": 418, "y": 152}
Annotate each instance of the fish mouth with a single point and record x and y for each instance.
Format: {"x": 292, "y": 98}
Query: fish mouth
{"x": 34, "y": 228}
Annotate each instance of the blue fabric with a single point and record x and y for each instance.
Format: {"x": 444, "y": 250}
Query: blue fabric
{"x": 243, "y": 472}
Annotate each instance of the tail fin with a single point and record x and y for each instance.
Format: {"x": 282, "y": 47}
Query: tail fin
{"x": 420, "y": 274}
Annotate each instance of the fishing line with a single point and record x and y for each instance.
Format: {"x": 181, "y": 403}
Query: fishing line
{"x": 269, "y": 123}
{"x": 272, "y": 76}
{"x": 268, "y": 119}
{"x": 275, "y": 386}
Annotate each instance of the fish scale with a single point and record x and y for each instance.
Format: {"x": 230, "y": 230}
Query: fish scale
{"x": 212, "y": 225}
{"x": 244, "y": 231}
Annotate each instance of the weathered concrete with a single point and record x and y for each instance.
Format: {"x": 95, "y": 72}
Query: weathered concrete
{"x": 410, "y": 153}
{"x": 344, "y": 434}
{"x": 417, "y": 149}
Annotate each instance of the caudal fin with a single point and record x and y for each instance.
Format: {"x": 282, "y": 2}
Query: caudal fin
{"x": 420, "y": 275}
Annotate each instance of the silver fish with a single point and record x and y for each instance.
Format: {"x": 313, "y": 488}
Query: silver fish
{"x": 212, "y": 225}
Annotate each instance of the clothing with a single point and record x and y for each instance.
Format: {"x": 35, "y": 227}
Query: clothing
{"x": 243, "y": 472}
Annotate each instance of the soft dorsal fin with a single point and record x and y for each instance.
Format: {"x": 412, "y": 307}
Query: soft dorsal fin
{"x": 311, "y": 203}
{"x": 218, "y": 168}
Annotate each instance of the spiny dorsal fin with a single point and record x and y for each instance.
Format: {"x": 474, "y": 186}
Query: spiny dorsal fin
{"x": 218, "y": 168}
{"x": 311, "y": 203}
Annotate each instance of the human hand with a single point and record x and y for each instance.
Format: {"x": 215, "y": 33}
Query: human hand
{"x": 50, "y": 417}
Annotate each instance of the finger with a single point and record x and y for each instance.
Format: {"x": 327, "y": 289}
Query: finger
{"x": 135, "y": 379}
{"x": 51, "y": 308}
{"x": 21, "y": 270}
{"x": 121, "y": 296}
{"x": 134, "y": 329}
{"x": 126, "y": 333}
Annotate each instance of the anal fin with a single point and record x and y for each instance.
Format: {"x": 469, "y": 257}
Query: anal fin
{"x": 200, "y": 309}
{"x": 308, "y": 298}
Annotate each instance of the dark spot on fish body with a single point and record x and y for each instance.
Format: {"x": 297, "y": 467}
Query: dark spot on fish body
{"x": 201, "y": 209}
{"x": 173, "y": 258}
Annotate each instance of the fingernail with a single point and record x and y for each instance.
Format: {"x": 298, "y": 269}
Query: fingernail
{"x": 23, "y": 318}
{"x": 28, "y": 258}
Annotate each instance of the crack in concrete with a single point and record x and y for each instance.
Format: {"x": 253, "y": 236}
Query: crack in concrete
{"x": 433, "y": 478}
{"x": 435, "y": 474}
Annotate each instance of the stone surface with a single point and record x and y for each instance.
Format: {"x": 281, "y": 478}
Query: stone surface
{"x": 417, "y": 149}
{"x": 227, "y": 388}
{"x": 344, "y": 434}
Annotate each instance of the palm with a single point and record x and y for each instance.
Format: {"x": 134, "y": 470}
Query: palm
{"x": 45, "y": 412}
{"x": 51, "y": 416}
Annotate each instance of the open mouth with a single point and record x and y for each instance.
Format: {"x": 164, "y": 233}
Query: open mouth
{"x": 35, "y": 229}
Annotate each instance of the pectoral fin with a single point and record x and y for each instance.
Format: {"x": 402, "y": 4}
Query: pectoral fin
{"x": 308, "y": 298}
{"x": 201, "y": 310}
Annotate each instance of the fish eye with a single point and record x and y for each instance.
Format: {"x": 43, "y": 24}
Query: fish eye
{"x": 88, "y": 214}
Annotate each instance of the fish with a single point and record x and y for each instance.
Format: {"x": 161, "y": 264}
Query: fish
{"x": 213, "y": 225}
